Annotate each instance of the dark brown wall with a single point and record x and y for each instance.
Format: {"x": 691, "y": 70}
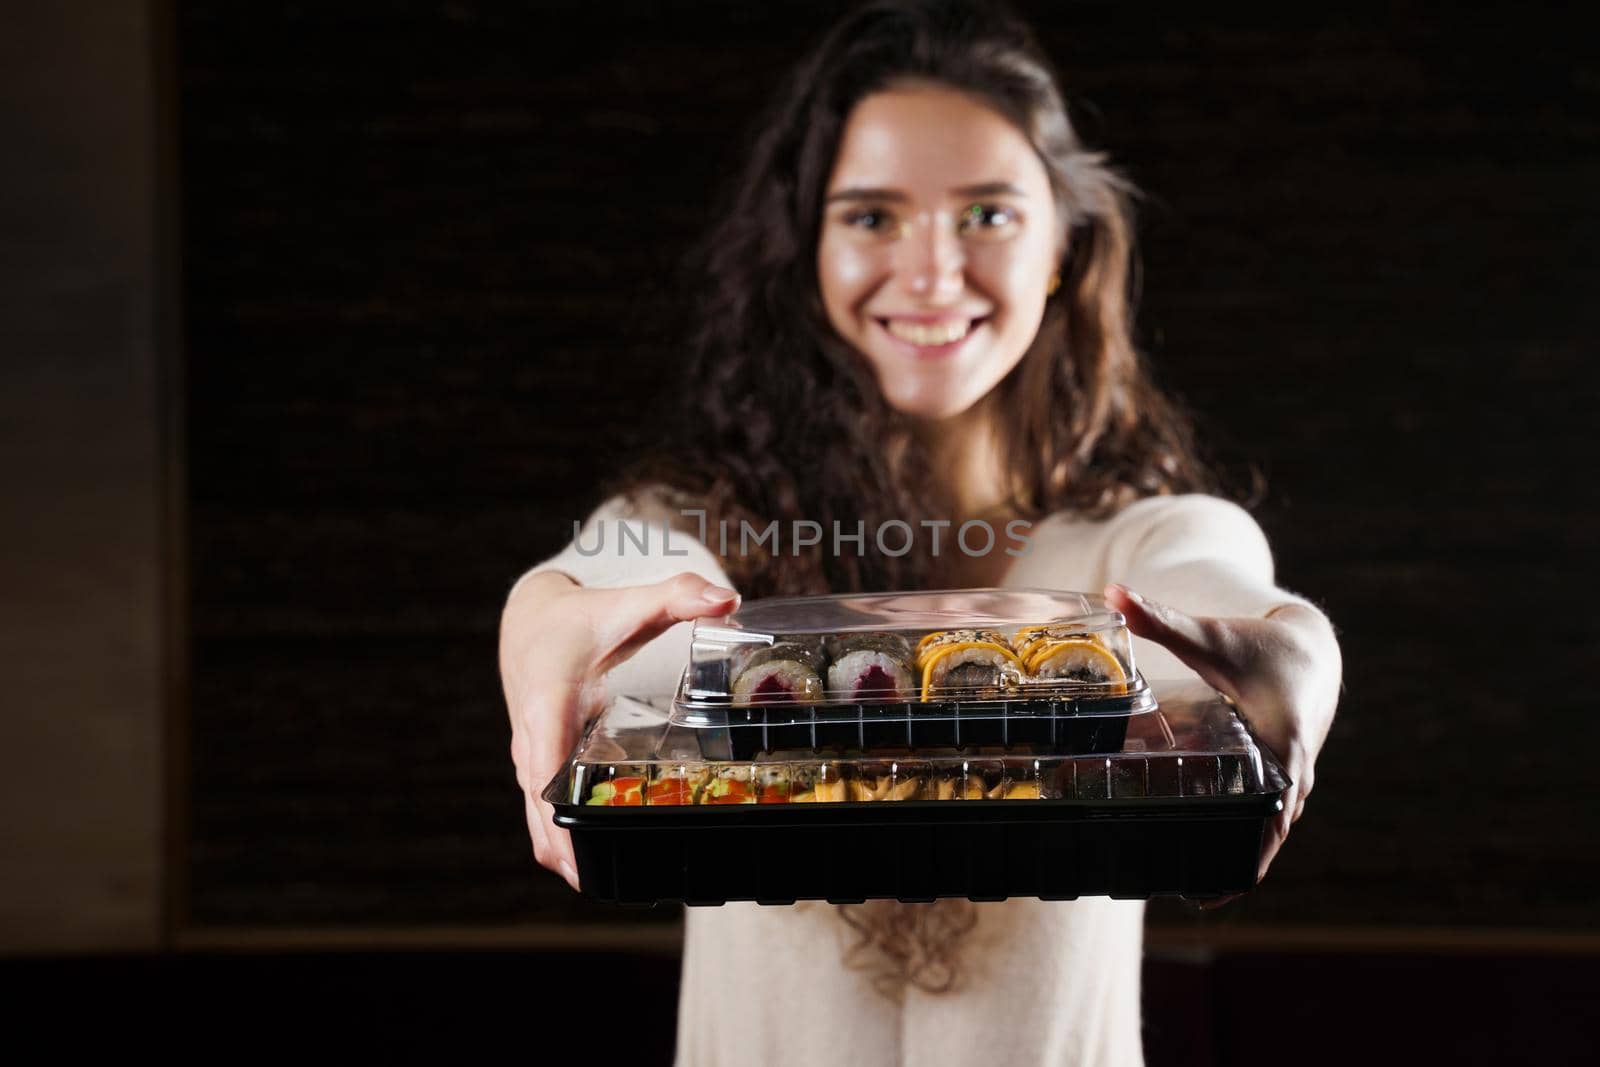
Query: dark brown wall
{"x": 82, "y": 479}
{"x": 428, "y": 250}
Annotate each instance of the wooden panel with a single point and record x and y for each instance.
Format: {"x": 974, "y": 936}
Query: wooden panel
{"x": 81, "y": 460}
{"x": 429, "y": 261}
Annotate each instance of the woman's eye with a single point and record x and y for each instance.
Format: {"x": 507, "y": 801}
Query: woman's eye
{"x": 873, "y": 220}
{"x": 987, "y": 219}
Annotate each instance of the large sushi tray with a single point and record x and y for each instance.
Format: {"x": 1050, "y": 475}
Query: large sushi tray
{"x": 983, "y": 744}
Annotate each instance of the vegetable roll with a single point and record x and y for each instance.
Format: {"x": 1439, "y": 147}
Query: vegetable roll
{"x": 959, "y": 661}
{"x": 675, "y": 785}
{"x": 773, "y": 785}
{"x": 784, "y": 673}
{"x": 747, "y": 784}
{"x": 625, "y": 791}
{"x": 730, "y": 785}
{"x": 871, "y": 666}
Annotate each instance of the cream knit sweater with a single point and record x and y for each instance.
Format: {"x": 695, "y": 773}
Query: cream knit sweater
{"x": 1043, "y": 982}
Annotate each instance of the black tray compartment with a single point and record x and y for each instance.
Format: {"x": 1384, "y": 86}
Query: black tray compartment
{"x": 1193, "y": 846}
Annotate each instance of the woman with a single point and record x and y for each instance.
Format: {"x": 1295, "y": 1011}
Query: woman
{"x": 917, "y": 309}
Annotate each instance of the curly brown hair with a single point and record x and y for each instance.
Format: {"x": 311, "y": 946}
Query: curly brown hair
{"x": 782, "y": 420}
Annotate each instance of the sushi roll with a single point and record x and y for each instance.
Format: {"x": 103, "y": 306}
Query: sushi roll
{"x": 730, "y": 785}
{"x": 1030, "y": 639}
{"x": 1077, "y": 658}
{"x": 822, "y": 784}
{"x": 747, "y": 784}
{"x": 773, "y": 785}
{"x": 625, "y": 791}
{"x": 966, "y": 661}
{"x": 673, "y": 786}
{"x": 883, "y": 787}
{"x": 784, "y": 673}
{"x": 968, "y": 787}
{"x": 871, "y": 666}
{"x": 889, "y": 781}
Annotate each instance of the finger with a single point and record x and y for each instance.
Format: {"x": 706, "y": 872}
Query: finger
{"x": 1303, "y": 784}
{"x": 545, "y": 731}
{"x": 536, "y": 830}
{"x": 1197, "y": 643}
{"x": 552, "y": 845}
{"x": 1277, "y": 833}
{"x": 547, "y": 758}
{"x": 557, "y": 854}
{"x": 540, "y": 827}
{"x": 566, "y": 859}
{"x": 1269, "y": 850}
{"x": 1302, "y": 793}
{"x": 624, "y": 620}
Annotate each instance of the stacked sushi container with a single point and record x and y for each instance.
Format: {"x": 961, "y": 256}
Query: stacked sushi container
{"x": 976, "y": 743}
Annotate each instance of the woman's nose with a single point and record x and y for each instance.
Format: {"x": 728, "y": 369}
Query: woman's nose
{"x": 931, "y": 261}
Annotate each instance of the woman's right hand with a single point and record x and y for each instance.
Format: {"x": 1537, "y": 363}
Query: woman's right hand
{"x": 557, "y": 641}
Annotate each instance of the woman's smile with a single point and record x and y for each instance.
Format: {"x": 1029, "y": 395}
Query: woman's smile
{"x": 927, "y": 337}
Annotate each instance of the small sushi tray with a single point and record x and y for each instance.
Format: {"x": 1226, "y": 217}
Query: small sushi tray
{"x": 1049, "y": 671}
{"x": 1178, "y": 807}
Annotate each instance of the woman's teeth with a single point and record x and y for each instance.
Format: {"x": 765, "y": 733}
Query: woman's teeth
{"x": 930, "y": 334}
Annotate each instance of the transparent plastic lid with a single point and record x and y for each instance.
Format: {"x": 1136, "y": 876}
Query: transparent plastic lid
{"x": 979, "y": 647}
{"x": 1194, "y": 745}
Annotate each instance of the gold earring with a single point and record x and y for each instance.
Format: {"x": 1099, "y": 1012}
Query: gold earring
{"x": 1055, "y": 283}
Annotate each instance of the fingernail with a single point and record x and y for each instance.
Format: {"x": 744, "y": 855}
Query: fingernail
{"x": 1133, "y": 596}
{"x": 716, "y": 594}
{"x": 568, "y": 873}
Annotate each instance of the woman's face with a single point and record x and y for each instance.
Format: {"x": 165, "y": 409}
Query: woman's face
{"x": 939, "y": 238}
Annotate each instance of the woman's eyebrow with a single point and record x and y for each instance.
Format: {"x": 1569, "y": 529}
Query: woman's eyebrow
{"x": 857, "y": 192}
{"x": 861, "y": 192}
{"x": 989, "y": 189}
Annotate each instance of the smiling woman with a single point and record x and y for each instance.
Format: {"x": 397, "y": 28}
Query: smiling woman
{"x": 938, "y": 247}
{"x": 916, "y": 311}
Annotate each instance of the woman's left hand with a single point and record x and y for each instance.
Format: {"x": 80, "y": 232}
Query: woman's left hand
{"x": 1282, "y": 671}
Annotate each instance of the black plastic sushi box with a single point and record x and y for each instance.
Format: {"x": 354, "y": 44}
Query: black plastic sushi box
{"x": 981, "y": 743}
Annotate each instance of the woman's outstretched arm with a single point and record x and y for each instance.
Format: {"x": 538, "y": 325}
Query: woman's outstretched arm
{"x": 1194, "y": 575}
{"x": 584, "y": 625}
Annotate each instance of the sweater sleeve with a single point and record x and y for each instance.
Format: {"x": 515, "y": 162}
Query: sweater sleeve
{"x": 622, "y": 544}
{"x": 1199, "y": 554}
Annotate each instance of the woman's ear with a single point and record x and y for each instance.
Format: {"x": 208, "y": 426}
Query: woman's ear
{"x": 1067, "y": 220}
{"x": 1063, "y": 267}
{"x": 1064, "y": 246}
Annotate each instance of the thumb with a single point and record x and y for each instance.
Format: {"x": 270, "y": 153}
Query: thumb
{"x": 1198, "y": 643}
{"x": 624, "y": 620}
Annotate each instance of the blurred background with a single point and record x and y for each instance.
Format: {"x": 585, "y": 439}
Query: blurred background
{"x": 320, "y": 323}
